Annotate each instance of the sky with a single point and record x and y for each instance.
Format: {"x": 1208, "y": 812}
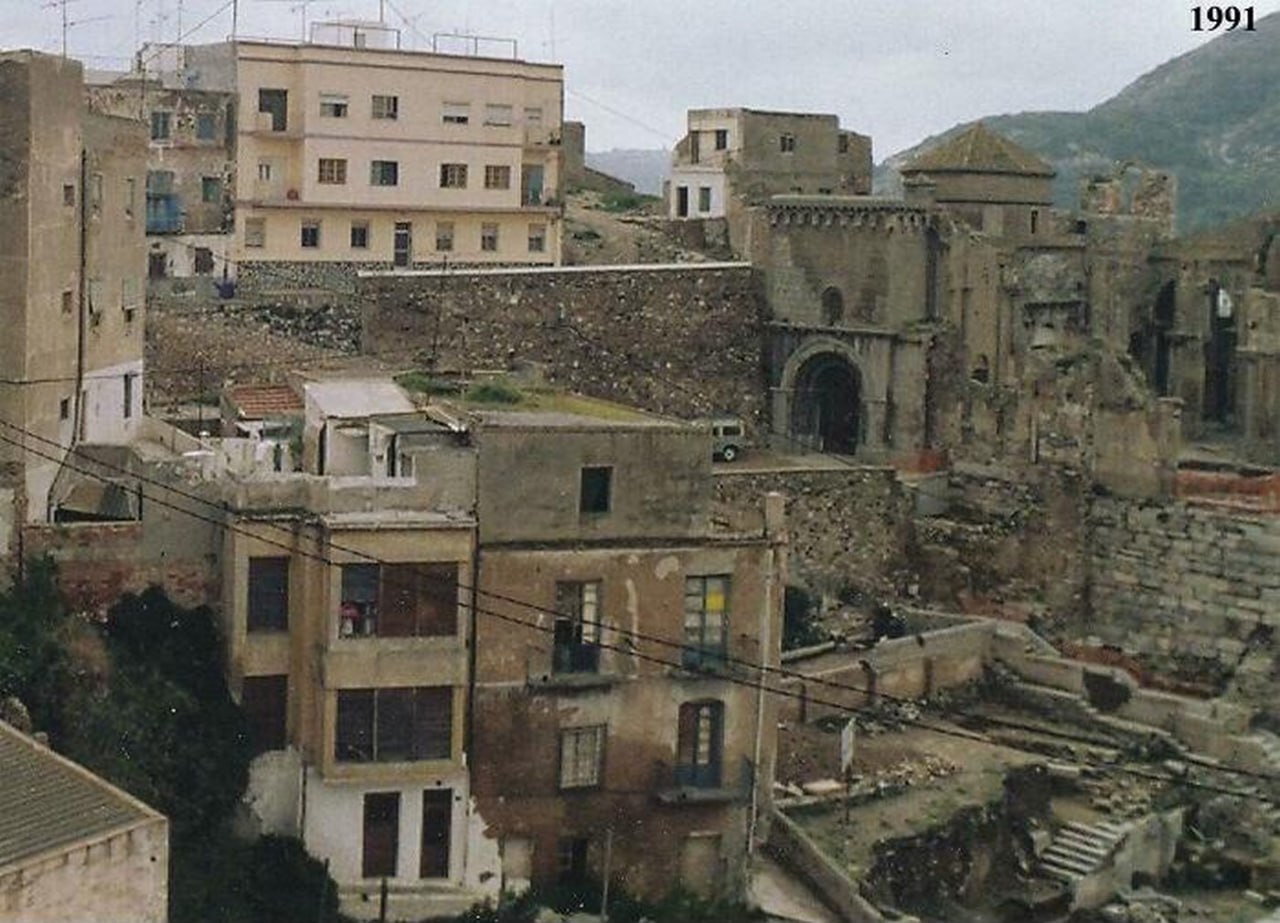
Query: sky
{"x": 899, "y": 70}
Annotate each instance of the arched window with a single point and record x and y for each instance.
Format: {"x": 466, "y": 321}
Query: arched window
{"x": 832, "y": 306}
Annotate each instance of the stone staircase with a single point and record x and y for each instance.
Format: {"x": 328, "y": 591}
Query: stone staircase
{"x": 1079, "y": 849}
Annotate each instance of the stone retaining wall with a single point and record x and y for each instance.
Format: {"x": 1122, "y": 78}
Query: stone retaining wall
{"x": 681, "y": 340}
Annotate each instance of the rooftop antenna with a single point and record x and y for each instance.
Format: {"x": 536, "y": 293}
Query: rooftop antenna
{"x": 298, "y": 5}
{"x": 68, "y": 23}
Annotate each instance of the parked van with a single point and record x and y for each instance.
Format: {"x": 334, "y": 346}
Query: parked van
{"x": 728, "y": 438}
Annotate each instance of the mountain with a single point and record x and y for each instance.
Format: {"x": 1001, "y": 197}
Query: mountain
{"x": 645, "y": 168}
{"x": 1211, "y": 117}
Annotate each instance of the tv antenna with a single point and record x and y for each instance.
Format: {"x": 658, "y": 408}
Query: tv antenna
{"x": 67, "y": 24}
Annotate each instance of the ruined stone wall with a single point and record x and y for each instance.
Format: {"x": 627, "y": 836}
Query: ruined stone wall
{"x": 1191, "y": 587}
{"x": 848, "y": 526}
{"x": 678, "y": 340}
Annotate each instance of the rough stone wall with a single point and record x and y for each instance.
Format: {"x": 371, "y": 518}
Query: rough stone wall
{"x": 1189, "y": 587}
{"x": 848, "y": 526}
{"x": 673, "y": 340}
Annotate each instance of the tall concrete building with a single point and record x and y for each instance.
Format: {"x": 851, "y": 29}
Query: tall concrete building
{"x": 353, "y": 152}
{"x": 71, "y": 278}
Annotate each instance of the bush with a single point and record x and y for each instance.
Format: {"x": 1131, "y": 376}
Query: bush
{"x": 423, "y": 383}
{"x": 799, "y": 628}
{"x": 496, "y": 391}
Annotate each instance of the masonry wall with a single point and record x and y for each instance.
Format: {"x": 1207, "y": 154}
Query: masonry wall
{"x": 1183, "y": 583}
{"x": 678, "y": 340}
{"x": 847, "y": 526}
{"x": 117, "y": 879}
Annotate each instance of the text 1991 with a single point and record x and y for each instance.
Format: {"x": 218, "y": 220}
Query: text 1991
{"x": 1226, "y": 18}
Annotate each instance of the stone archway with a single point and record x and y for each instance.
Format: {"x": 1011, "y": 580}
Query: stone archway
{"x": 826, "y": 404}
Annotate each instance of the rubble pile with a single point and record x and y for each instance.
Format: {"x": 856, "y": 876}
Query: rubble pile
{"x": 1147, "y": 905}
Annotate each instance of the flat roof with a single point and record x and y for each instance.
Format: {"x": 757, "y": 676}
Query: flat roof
{"x": 48, "y": 802}
{"x": 357, "y": 398}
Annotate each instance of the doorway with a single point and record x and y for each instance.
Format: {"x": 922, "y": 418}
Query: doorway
{"x": 437, "y": 816}
{"x": 381, "y": 834}
{"x": 403, "y": 250}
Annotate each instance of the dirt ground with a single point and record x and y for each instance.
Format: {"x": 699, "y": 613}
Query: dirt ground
{"x": 597, "y": 237}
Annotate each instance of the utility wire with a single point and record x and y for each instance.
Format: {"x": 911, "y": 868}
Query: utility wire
{"x": 632, "y": 649}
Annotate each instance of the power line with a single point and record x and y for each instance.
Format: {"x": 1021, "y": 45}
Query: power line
{"x": 631, "y": 649}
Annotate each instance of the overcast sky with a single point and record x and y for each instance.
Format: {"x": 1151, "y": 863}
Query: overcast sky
{"x": 898, "y": 70}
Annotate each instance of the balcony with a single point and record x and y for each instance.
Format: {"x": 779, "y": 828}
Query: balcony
{"x": 702, "y": 783}
{"x": 571, "y": 665}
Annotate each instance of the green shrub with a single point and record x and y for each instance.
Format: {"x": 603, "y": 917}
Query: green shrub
{"x": 496, "y": 391}
{"x": 424, "y": 383}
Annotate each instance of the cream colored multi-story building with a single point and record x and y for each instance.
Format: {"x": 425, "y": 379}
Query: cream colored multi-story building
{"x": 377, "y": 157}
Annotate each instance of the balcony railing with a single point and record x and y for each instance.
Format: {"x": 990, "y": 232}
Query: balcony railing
{"x": 714, "y": 781}
{"x": 575, "y": 657}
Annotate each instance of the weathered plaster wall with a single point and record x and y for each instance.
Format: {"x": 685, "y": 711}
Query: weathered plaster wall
{"x": 677, "y": 340}
{"x": 118, "y": 879}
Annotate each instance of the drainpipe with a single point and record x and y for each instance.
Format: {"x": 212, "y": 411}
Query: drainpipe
{"x": 77, "y": 418}
{"x": 773, "y": 521}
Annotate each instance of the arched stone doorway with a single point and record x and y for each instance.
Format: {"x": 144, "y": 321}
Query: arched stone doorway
{"x": 826, "y": 406}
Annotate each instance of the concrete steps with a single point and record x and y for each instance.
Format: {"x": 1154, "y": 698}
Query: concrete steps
{"x": 1079, "y": 849}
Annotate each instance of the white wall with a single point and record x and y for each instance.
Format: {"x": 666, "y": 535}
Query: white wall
{"x": 334, "y": 825}
{"x": 104, "y": 419}
{"x": 696, "y": 179}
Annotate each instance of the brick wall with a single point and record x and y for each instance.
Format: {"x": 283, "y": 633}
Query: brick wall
{"x": 676, "y": 340}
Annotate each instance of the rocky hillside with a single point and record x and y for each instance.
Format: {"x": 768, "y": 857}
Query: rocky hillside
{"x": 1211, "y": 116}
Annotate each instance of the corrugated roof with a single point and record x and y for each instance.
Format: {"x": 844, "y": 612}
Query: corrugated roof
{"x": 258, "y": 402}
{"x": 48, "y": 802}
{"x": 978, "y": 149}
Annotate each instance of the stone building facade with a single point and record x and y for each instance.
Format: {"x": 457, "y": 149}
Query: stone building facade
{"x": 71, "y": 277}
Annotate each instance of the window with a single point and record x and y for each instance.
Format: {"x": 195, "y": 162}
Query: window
{"x": 537, "y": 238}
{"x": 489, "y": 237}
{"x": 265, "y": 701}
{"x": 381, "y": 835}
{"x": 842, "y": 144}
{"x": 68, "y": 194}
{"x": 386, "y": 107}
{"x": 571, "y": 857}
{"x": 255, "y": 232}
{"x": 202, "y": 257}
{"x": 276, "y": 104}
{"x": 444, "y": 236}
{"x": 394, "y": 725}
{"x": 700, "y": 744}
{"x": 161, "y": 125}
{"x": 581, "y": 756}
{"x": 787, "y": 143}
{"x": 68, "y": 302}
{"x": 496, "y": 114}
{"x": 310, "y": 234}
{"x": 210, "y": 189}
{"x": 95, "y": 191}
{"x": 595, "y": 488}
{"x": 704, "y": 198}
{"x": 159, "y": 182}
{"x": 128, "y": 395}
{"x": 359, "y": 235}
{"x": 706, "y": 615}
{"x": 456, "y": 113}
{"x": 497, "y": 177}
{"x": 206, "y": 126}
{"x": 333, "y": 105}
{"x": 453, "y": 176}
{"x": 64, "y": 409}
{"x": 96, "y": 301}
{"x": 264, "y": 171}
{"x": 682, "y": 201}
{"x": 384, "y": 173}
{"x": 533, "y": 115}
{"x": 399, "y": 600}
{"x": 130, "y": 196}
{"x": 722, "y": 139}
{"x": 402, "y": 244}
{"x": 268, "y": 604}
{"x": 1035, "y": 220}
{"x": 576, "y": 634}
{"x": 332, "y": 171}
{"x": 832, "y": 306}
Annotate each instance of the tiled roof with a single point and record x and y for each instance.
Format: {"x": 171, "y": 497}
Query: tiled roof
{"x": 48, "y": 802}
{"x": 977, "y": 149}
{"x": 259, "y": 402}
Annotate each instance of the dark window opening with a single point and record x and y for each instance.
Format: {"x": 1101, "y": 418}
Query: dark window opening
{"x": 161, "y": 125}
{"x": 581, "y": 756}
{"x": 384, "y": 173}
{"x": 722, "y": 139}
{"x": 206, "y": 127}
{"x": 310, "y": 234}
{"x": 787, "y": 143}
{"x": 276, "y": 104}
{"x": 402, "y": 244}
{"x": 359, "y": 235}
{"x": 596, "y": 483}
{"x": 700, "y": 744}
{"x": 437, "y": 825}
{"x": 394, "y": 725}
{"x": 682, "y": 201}
{"x": 832, "y": 306}
{"x": 576, "y": 647}
{"x": 265, "y": 700}
{"x": 268, "y": 594}
{"x": 571, "y": 856}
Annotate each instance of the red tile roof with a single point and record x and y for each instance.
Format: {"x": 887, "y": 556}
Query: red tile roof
{"x": 259, "y": 402}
